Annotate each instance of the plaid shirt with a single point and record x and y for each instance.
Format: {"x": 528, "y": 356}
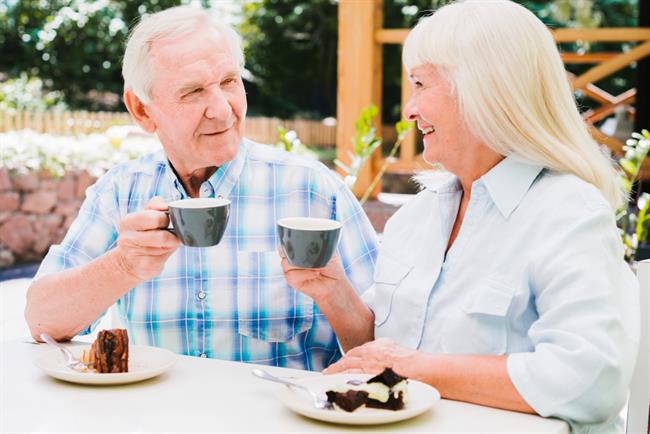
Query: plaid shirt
{"x": 229, "y": 301}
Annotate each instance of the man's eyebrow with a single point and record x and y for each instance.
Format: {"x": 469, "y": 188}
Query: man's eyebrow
{"x": 189, "y": 86}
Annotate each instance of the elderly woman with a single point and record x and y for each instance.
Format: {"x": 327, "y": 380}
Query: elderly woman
{"x": 502, "y": 283}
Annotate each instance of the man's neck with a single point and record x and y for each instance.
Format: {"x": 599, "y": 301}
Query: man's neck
{"x": 192, "y": 181}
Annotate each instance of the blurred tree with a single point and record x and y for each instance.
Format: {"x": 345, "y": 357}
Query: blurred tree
{"x": 291, "y": 50}
{"x": 73, "y": 45}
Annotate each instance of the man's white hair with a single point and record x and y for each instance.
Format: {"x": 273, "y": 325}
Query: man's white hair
{"x": 172, "y": 23}
{"x": 504, "y": 66}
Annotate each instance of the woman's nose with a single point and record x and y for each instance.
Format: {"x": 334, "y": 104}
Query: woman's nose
{"x": 410, "y": 110}
{"x": 218, "y": 106}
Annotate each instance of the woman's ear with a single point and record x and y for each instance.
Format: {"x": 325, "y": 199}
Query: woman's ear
{"x": 139, "y": 111}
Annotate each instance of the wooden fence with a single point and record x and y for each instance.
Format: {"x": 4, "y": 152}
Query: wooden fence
{"x": 261, "y": 129}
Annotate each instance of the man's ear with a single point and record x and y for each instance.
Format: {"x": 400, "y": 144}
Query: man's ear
{"x": 138, "y": 111}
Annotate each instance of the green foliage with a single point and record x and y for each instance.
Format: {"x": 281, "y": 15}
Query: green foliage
{"x": 289, "y": 141}
{"x": 27, "y": 94}
{"x": 365, "y": 142}
{"x": 634, "y": 217}
{"x": 291, "y": 48}
{"x": 71, "y": 44}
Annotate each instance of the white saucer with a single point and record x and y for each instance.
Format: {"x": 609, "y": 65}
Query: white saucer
{"x": 421, "y": 398}
{"x": 144, "y": 362}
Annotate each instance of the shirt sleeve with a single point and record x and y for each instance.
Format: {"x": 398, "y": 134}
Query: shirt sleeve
{"x": 91, "y": 234}
{"x": 586, "y": 337}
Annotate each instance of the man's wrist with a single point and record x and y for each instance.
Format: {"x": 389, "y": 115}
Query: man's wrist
{"x": 119, "y": 268}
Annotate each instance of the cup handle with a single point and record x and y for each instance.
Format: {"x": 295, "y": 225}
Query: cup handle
{"x": 169, "y": 228}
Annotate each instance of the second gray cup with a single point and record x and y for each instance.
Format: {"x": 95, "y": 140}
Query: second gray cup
{"x": 308, "y": 242}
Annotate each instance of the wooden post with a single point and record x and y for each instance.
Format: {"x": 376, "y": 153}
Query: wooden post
{"x": 407, "y": 150}
{"x": 359, "y": 78}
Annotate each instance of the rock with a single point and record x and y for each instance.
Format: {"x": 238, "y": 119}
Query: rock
{"x": 66, "y": 188}
{"x": 17, "y": 234}
{"x": 42, "y": 242}
{"x": 51, "y": 223}
{"x": 65, "y": 209}
{"x": 26, "y": 182}
{"x": 41, "y": 202}
{"x": 84, "y": 180}
{"x": 9, "y": 201}
{"x": 5, "y": 180}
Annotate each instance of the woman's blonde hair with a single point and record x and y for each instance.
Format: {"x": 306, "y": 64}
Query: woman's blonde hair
{"x": 511, "y": 85}
{"x": 176, "y": 22}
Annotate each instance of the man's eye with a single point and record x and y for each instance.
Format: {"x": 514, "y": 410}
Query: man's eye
{"x": 194, "y": 91}
{"x": 228, "y": 81}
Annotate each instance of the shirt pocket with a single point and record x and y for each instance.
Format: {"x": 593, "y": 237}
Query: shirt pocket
{"x": 480, "y": 324}
{"x": 268, "y": 308}
{"x": 389, "y": 274}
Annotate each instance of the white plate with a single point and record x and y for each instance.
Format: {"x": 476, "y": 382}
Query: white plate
{"x": 144, "y": 362}
{"x": 421, "y": 397}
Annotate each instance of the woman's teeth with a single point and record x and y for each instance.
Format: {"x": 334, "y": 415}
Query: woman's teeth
{"x": 427, "y": 130}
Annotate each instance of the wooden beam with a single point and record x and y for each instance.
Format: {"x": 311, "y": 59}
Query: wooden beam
{"x": 391, "y": 36}
{"x": 359, "y": 77}
{"x": 586, "y": 58}
{"x": 609, "y": 67}
{"x": 612, "y": 34}
{"x": 599, "y": 113}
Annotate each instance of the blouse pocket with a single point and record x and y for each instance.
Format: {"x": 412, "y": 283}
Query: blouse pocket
{"x": 268, "y": 308}
{"x": 389, "y": 274}
{"x": 480, "y": 326}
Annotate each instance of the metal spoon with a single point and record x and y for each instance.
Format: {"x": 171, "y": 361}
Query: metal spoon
{"x": 319, "y": 402}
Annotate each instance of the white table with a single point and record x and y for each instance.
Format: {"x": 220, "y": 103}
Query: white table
{"x": 196, "y": 395}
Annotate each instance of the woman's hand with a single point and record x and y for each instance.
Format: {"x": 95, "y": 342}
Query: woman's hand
{"x": 373, "y": 357}
{"x": 317, "y": 283}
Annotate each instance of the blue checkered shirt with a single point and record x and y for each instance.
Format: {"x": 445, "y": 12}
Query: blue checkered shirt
{"x": 230, "y": 301}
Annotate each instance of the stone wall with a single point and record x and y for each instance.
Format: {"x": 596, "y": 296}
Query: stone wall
{"x": 36, "y": 210}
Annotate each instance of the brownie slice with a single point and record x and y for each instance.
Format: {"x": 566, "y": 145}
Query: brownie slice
{"x": 348, "y": 401}
{"x": 111, "y": 351}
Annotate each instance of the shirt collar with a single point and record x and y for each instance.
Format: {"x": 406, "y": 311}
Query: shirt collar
{"x": 509, "y": 181}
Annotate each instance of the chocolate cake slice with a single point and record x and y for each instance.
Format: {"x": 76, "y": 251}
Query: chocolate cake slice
{"x": 388, "y": 391}
{"x": 110, "y": 352}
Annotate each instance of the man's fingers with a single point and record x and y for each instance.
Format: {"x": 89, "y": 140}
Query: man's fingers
{"x": 157, "y": 203}
{"x": 145, "y": 220}
{"x": 153, "y": 239}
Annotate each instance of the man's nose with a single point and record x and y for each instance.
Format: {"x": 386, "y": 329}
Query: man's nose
{"x": 218, "y": 106}
{"x": 410, "y": 110}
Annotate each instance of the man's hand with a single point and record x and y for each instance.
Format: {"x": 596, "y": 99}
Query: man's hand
{"x": 373, "y": 357}
{"x": 143, "y": 245}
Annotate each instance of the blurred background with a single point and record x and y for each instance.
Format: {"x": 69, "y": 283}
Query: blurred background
{"x": 62, "y": 120}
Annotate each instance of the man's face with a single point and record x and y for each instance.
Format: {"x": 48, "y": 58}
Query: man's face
{"x": 199, "y": 102}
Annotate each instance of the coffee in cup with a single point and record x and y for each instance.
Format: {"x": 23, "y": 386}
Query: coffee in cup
{"x": 308, "y": 242}
{"x": 199, "y": 222}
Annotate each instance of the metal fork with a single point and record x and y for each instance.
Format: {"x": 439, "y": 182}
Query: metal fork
{"x": 70, "y": 360}
{"x": 319, "y": 402}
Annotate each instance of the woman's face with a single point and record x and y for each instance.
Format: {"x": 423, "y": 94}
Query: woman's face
{"x": 434, "y": 106}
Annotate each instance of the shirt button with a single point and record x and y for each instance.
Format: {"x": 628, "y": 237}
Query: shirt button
{"x": 203, "y": 355}
{"x": 201, "y": 295}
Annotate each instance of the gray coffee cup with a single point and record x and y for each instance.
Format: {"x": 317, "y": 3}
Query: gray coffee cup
{"x": 308, "y": 242}
{"x": 199, "y": 222}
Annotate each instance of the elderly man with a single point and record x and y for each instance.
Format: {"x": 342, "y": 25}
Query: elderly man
{"x": 182, "y": 80}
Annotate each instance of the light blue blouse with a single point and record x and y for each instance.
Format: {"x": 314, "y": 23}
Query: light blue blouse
{"x": 536, "y": 272}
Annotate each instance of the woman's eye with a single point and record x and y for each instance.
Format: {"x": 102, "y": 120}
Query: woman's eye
{"x": 228, "y": 81}
{"x": 194, "y": 91}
